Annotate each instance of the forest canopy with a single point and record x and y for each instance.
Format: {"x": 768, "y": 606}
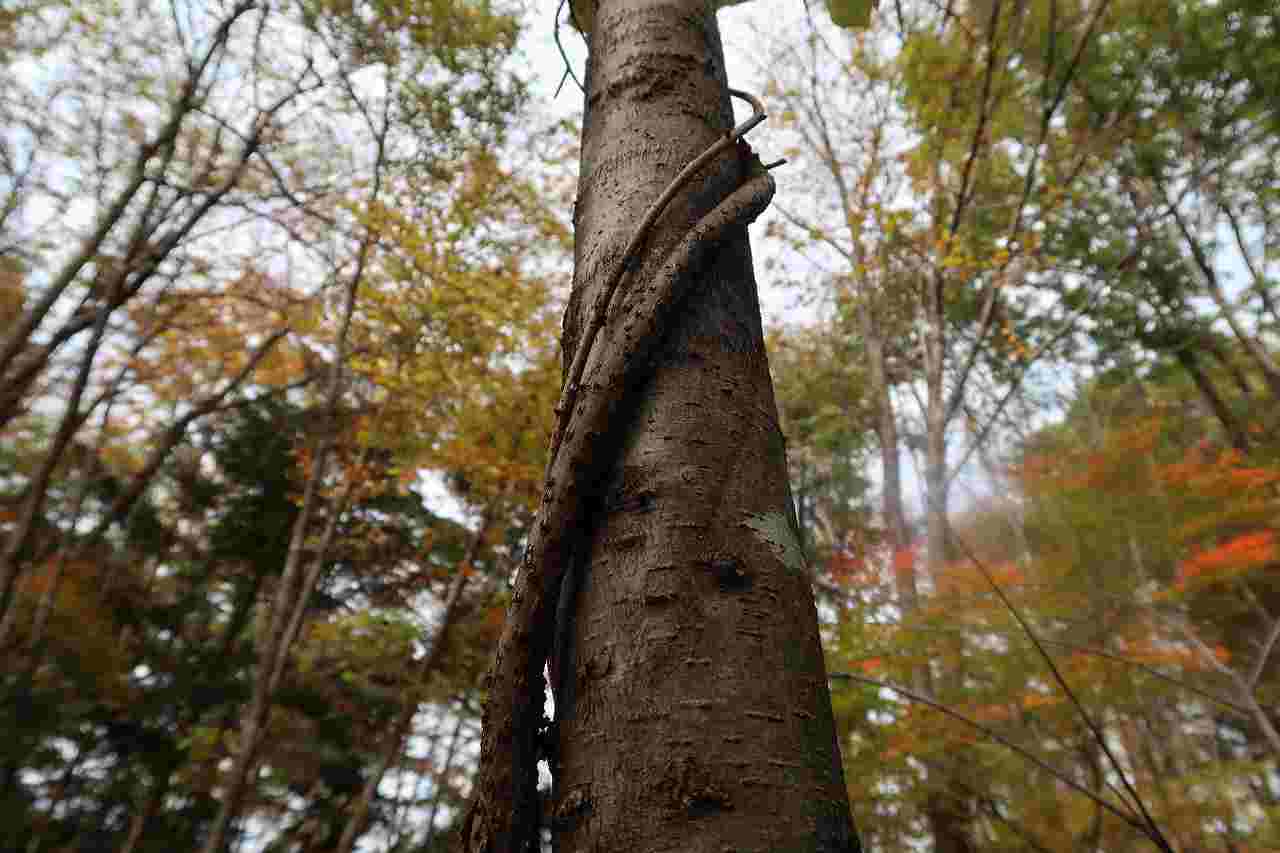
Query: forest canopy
{"x": 281, "y": 293}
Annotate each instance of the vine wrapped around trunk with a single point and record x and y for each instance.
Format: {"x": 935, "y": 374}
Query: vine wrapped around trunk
{"x": 699, "y": 698}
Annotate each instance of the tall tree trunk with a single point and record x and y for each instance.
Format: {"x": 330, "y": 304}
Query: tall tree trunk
{"x": 698, "y": 714}
{"x": 692, "y": 705}
{"x": 897, "y": 536}
{"x": 948, "y": 809}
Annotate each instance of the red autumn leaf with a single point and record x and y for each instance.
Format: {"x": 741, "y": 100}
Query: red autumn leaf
{"x": 1242, "y": 552}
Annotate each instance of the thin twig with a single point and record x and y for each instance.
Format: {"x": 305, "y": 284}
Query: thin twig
{"x": 568, "y": 66}
{"x": 1092, "y": 651}
{"x": 20, "y": 334}
{"x": 1152, "y": 830}
{"x": 984, "y": 116}
{"x": 990, "y": 298}
{"x": 1273, "y": 634}
{"x": 997, "y": 737}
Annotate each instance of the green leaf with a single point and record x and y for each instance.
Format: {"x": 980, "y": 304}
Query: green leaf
{"x": 851, "y": 14}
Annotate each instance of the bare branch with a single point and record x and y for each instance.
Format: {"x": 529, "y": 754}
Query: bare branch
{"x": 186, "y": 102}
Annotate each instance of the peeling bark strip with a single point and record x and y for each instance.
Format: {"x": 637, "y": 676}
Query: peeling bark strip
{"x": 701, "y": 715}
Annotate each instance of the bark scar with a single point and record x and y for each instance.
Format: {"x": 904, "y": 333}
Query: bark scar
{"x": 776, "y": 531}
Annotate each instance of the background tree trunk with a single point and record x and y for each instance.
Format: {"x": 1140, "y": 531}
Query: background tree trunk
{"x": 694, "y": 711}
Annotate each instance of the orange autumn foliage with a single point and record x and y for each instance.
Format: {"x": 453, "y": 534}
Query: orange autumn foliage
{"x": 847, "y": 567}
{"x": 1223, "y": 473}
{"x": 1235, "y": 555}
{"x": 904, "y": 558}
{"x": 904, "y": 562}
{"x": 964, "y": 578}
{"x": 1185, "y": 658}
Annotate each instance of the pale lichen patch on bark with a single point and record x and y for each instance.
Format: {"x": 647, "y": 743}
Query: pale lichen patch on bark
{"x": 776, "y": 530}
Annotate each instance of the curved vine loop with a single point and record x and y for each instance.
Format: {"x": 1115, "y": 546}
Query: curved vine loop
{"x": 504, "y": 810}
{"x": 603, "y": 304}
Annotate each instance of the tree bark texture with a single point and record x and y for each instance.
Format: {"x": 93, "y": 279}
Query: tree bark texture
{"x": 693, "y": 703}
{"x": 692, "y": 706}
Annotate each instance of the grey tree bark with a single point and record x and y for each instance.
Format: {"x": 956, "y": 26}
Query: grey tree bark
{"x": 692, "y": 704}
